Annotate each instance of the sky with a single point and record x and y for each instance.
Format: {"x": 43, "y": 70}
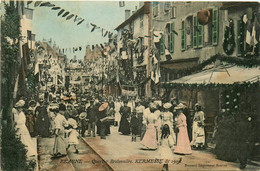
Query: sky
{"x": 67, "y": 34}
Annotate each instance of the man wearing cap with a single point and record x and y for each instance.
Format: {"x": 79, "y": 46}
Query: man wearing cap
{"x": 92, "y": 117}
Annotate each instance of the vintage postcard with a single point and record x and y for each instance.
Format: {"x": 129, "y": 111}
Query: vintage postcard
{"x": 130, "y": 85}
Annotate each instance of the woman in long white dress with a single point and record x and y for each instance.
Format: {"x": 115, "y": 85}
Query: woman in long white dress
{"x": 22, "y": 131}
{"x": 198, "y": 133}
{"x": 150, "y": 138}
{"x": 167, "y": 118}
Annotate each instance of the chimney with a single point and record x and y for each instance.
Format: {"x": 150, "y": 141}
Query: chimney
{"x": 127, "y": 14}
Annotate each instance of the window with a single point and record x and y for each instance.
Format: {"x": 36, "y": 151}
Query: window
{"x": 173, "y": 12}
{"x": 141, "y": 21}
{"x": 215, "y": 26}
{"x": 155, "y": 9}
{"x": 183, "y": 38}
{"x": 200, "y": 35}
{"x": 189, "y": 32}
{"x": 162, "y": 49}
{"x": 166, "y": 6}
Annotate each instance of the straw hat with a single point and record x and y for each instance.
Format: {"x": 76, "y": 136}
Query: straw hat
{"x": 167, "y": 105}
{"x": 83, "y": 115}
{"x": 180, "y": 106}
{"x": 20, "y": 103}
{"x": 103, "y": 107}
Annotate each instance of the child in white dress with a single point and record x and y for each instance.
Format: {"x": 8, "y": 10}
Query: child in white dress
{"x": 73, "y": 135}
{"x": 166, "y": 146}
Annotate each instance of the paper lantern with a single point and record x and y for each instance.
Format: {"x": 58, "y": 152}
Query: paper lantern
{"x": 203, "y": 16}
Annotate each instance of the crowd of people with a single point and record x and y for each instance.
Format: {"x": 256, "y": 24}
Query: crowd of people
{"x": 163, "y": 125}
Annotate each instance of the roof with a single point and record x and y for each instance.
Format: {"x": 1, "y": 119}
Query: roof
{"x": 221, "y": 76}
{"x": 145, "y": 9}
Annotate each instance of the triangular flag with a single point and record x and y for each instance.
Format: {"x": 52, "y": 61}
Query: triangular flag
{"x": 65, "y": 14}
{"x": 80, "y": 21}
{"x": 55, "y": 8}
{"x": 47, "y": 4}
{"x": 29, "y": 2}
{"x": 70, "y": 16}
{"x": 37, "y": 3}
{"x": 94, "y": 27}
{"x": 61, "y": 11}
{"x": 105, "y": 34}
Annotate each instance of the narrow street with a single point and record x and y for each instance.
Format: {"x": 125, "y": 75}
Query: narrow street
{"x": 119, "y": 153}
{"x": 72, "y": 162}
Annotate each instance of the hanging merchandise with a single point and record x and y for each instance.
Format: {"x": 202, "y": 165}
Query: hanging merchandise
{"x": 121, "y": 3}
{"x": 93, "y": 47}
{"x": 110, "y": 35}
{"x": 79, "y": 48}
{"x": 229, "y": 38}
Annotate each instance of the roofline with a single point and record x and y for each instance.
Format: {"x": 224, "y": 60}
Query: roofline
{"x": 145, "y": 9}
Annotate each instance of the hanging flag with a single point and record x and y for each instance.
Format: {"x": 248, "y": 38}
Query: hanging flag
{"x": 16, "y": 86}
{"x": 61, "y": 11}
{"x": 70, "y": 16}
{"x": 245, "y": 18}
{"x": 36, "y": 69}
{"x": 65, "y": 14}
{"x": 80, "y": 21}
{"x": 55, "y": 8}
{"x": 37, "y": 3}
{"x": 253, "y": 37}
{"x": 121, "y": 3}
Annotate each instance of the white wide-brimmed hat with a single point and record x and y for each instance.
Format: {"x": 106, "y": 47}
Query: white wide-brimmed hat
{"x": 167, "y": 105}
{"x": 179, "y": 106}
{"x": 20, "y": 103}
{"x": 83, "y": 115}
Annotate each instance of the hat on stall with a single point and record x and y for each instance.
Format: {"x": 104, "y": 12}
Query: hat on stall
{"x": 103, "y": 107}
{"x": 72, "y": 123}
{"x": 83, "y": 115}
{"x": 167, "y": 105}
{"x": 179, "y": 106}
{"x": 20, "y": 103}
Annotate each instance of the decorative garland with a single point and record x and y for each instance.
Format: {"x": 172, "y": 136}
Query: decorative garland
{"x": 248, "y": 63}
{"x": 244, "y": 85}
{"x": 229, "y": 41}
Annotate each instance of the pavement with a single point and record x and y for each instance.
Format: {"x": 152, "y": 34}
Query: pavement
{"x": 122, "y": 154}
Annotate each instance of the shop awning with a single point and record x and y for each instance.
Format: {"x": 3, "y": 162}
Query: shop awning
{"x": 222, "y": 75}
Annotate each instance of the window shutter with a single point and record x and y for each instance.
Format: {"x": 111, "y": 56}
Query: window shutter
{"x": 172, "y": 38}
{"x": 200, "y": 35}
{"x": 215, "y": 26}
{"x": 183, "y": 42}
{"x": 240, "y": 37}
{"x": 195, "y": 38}
{"x": 162, "y": 45}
